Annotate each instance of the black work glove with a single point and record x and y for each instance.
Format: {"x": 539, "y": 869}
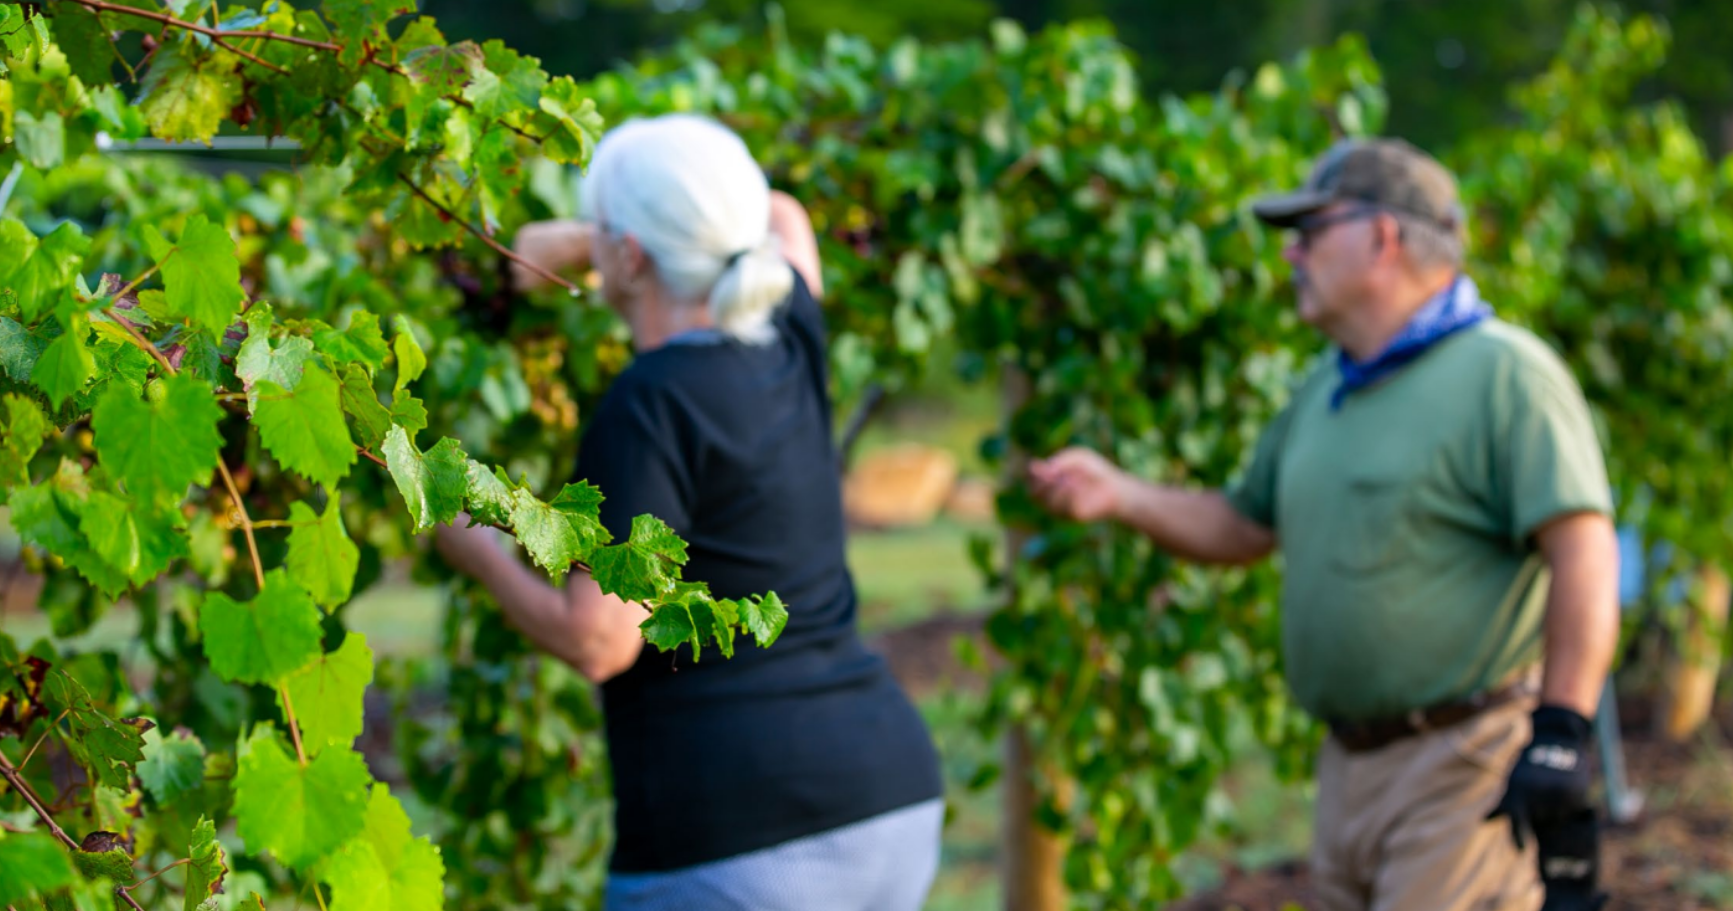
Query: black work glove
{"x": 1569, "y": 862}
{"x": 1550, "y": 782}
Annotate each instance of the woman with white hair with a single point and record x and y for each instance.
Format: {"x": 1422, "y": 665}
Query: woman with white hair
{"x": 794, "y": 777}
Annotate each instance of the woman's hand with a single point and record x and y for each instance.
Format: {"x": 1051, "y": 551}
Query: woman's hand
{"x": 553, "y": 245}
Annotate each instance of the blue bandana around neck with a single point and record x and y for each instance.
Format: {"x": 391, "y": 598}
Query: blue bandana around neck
{"x": 1455, "y": 308}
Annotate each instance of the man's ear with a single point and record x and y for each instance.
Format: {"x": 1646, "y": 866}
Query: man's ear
{"x": 1386, "y": 236}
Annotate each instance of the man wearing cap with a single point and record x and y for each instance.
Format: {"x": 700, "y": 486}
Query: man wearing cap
{"x": 1449, "y": 597}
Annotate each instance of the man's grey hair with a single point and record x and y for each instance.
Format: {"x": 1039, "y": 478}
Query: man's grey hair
{"x": 1431, "y": 245}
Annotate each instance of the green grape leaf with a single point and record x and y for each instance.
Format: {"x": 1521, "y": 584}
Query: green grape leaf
{"x": 411, "y": 360}
{"x": 671, "y": 626}
{"x": 304, "y": 430}
{"x": 637, "y": 570}
{"x": 263, "y": 640}
{"x": 408, "y": 412}
{"x": 65, "y": 365}
{"x": 109, "y": 748}
{"x": 321, "y": 556}
{"x": 32, "y": 864}
{"x": 386, "y": 868}
{"x": 358, "y": 20}
{"x": 185, "y": 98}
{"x": 107, "y": 522}
{"x": 201, "y": 275}
{"x": 361, "y": 343}
{"x": 162, "y": 446}
{"x": 50, "y": 514}
{"x": 114, "y": 866}
{"x": 83, "y": 39}
{"x": 489, "y": 494}
{"x": 543, "y": 531}
{"x": 443, "y": 70}
{"x": 369, "y": 418}
{"x": 579, "y": 503}
{"x": 38, "y": 270}
{"x": 26, "y": 428}
{"x": 433, "y": 485}
{"x": 205, "y": 873}
{"x": 301, "y": 814}
{"x": 41, "y": 140}
{"x": 260, "y": 360}
{"x": 764, "y": 618}
{"x": 173, "y": 766}
{"x": 569, "y": 123}
{"x": 19, "y": 350}
{"x": 508, "y": 82}
{"x": 714, "y": 620}
{"x": 327, "y": 694}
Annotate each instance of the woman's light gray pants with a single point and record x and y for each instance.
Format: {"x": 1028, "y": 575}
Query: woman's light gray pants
{"x": 886, "y": 863}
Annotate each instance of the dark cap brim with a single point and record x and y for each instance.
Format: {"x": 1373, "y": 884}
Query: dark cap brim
{"x": 1285, "y": 210}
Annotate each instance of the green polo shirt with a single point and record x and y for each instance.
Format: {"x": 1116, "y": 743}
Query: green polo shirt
{"x": 1406, "y": 520}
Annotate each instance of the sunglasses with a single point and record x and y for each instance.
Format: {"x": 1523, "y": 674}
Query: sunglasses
{"x": 1309, "y": 227}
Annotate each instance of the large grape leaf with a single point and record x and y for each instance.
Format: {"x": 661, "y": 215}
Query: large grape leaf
{"x": 109, "y": 748}
{"x": 362, "y": 343}
{"x": 543, "y": 531}
{"x": 304, "y": 429}
{"x": 300, "y": 813}
{"x": 327, "y": 694}
{"x": 432, "y": 484}
{"x": 321, "y": 556}
{"x": 65, "y": 365}
{"x": 201, "y": 275}
{"x": 205, "y": 872}
{"x": 81, "y": 37}
{"x": 188, "y": 96}
{"x": 263, "y": 640}
{"x": 50, "y": 515}
{"x": 370, "y": 419}
{"x": 173, "y": 765}
{"x": 38, "y": 269}
{"x": 357, "y": 20}
{"x": 489, "y": 494}
{"x": 386, "y": 868}
{"x": 579, "y": 503}
{"x": 159, "y": 447}
{"x": 259, "y": 359}
{"x": 638, "y": 569}
{"x": 763, "y": 617}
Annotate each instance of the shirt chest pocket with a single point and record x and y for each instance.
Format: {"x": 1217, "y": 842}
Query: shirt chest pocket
{"x": 1373, "y": 525}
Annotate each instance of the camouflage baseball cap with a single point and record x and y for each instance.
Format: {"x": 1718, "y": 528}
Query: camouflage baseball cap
{"x": 1388, "y": 173}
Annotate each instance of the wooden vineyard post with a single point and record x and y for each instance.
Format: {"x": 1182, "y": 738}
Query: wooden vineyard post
{"x": 1031, "y": 858}
{"x": 1693, "y": 661}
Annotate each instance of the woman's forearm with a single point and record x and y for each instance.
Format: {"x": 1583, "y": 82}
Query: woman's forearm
{"x": 595, "y": 633}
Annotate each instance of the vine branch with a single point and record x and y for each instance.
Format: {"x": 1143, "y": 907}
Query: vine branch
{"x": 179, "y": 863}
{"x": 498, "y": 247}
{"x": 294, "y": 726}
{"x": 10, "y": 772}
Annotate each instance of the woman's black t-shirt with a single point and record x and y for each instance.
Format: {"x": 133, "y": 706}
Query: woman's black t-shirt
{"x": 730, "y": 445}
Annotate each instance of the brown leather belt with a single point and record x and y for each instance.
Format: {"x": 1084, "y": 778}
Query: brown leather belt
{"x": 1377, "y": 733}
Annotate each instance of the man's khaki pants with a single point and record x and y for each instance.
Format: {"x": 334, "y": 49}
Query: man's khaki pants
{"x": 1403, "y": 828}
